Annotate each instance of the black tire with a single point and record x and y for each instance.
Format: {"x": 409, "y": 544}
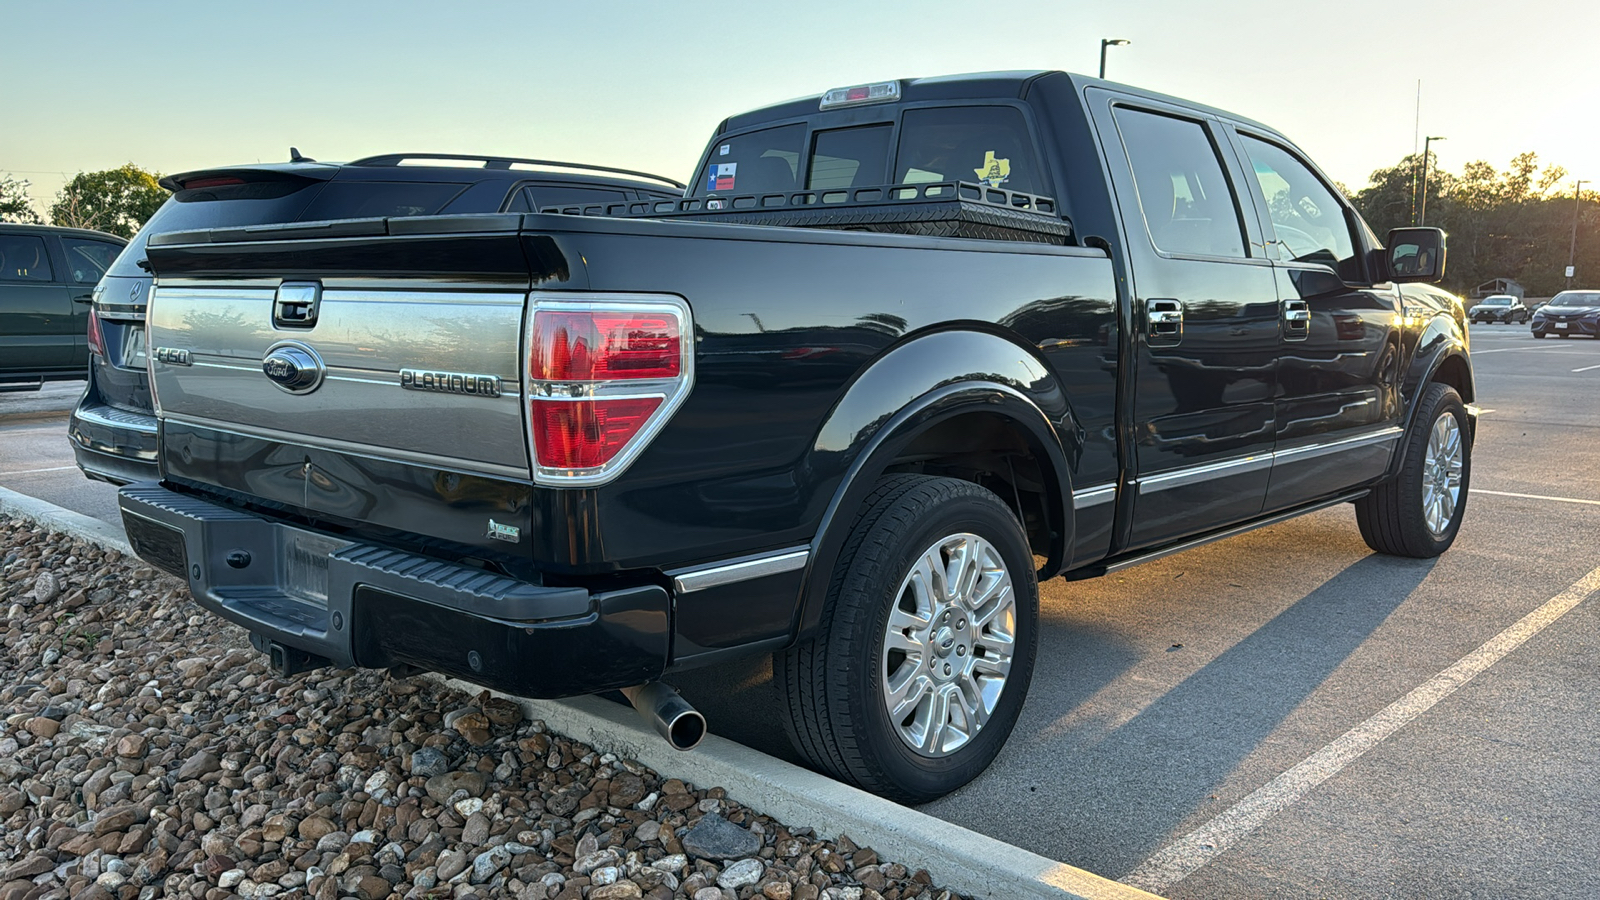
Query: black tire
{"x": 1537, "y": 336}
{"x": 831, "y": 684}
{"x": 1392, "y": 518}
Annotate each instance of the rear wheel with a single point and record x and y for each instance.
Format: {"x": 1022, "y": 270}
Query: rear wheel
{"x": 1418, "y": 512}
{"x": 922, "y": 661}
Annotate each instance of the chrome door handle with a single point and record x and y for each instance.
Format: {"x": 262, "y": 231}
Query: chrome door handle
{"x": 1165, "y": 318}
{"x": 1296, "y": 320}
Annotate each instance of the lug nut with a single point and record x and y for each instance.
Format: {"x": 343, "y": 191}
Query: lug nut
{"x": 947, "y": 668}
{"x": 961, "y": 649}
{"x": 962, "y": 623}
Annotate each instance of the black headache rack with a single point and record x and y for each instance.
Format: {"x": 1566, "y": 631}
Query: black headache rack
{"x": 935, "y": 209}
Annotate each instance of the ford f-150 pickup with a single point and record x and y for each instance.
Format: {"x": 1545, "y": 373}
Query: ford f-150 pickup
{"x": 901, "y": 351}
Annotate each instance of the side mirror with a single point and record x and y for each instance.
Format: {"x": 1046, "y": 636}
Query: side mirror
{"x": 1416, "y": 254}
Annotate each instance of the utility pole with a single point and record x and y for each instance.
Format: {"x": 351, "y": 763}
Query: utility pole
{"x": 1572, "y": 252}
{"x": 1416, "y": 135}
{"x": 1422, "y": 213}
{"x": 1109, "y": 42}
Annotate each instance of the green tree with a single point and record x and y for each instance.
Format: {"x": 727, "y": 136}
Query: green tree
{"x": 118, "y": 200}
{"x": 15, "y": 204}
{"x": 1514, "y": 223}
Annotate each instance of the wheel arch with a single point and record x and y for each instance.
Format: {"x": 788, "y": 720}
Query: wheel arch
{"x": 955, "y": 403}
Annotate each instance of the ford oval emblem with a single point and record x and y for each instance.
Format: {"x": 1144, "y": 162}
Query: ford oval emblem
{"x": 294, "y": 367}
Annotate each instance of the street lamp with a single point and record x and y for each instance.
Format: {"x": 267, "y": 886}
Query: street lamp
{"x": 1572, "y": 252}
{"x": 1109, "y": 42}
{"x": 1422, "y": 215}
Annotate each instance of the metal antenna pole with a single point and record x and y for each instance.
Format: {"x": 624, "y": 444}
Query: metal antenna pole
{"x": 1422, "y": 212}
{"x": 1572, "y": 251}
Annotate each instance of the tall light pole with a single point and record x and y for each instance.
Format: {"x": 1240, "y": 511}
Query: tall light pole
{"x": 1109, "y": 42}
{"x": 1572, "y": 252}
{"x": 1422, "y": 214}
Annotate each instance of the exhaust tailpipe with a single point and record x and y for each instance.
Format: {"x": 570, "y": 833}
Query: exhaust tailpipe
{"x": 669, "y": 714}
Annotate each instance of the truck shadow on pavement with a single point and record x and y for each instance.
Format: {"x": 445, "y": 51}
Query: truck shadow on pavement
{"x": 1095, "y": 793}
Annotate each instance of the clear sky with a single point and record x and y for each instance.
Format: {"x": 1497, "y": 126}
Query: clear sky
{"x": 172, "y": 85}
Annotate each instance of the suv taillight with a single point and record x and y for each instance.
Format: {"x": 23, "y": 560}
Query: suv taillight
{"x": 97, "y": 341}
{"x": 604, "y": 375}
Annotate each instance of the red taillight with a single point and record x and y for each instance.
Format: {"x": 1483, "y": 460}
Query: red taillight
{"x": 215, "y": 181}
{"x": 97, "y": 341}
{"x": 603, "y": 376}
{"x": 584, "y": 434}
{"x": 601, "y": 346}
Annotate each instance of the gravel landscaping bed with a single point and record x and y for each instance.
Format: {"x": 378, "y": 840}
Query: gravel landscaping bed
{"x": 146, "y": 751}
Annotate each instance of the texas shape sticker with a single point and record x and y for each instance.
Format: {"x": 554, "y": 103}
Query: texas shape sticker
{"x": 994, "y": 172}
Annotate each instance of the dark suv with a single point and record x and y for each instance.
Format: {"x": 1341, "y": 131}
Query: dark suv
{"x": 46, "y": 276}
{"x": 113, "y": 430}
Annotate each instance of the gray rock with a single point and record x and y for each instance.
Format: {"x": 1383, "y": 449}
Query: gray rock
{"x": 426, "y": 762}
{"x": 452, "y": 863}
{"x": 202, "y": 763}
{"x": 741, "y": 873}
{"x": 716, "y": 838}
{"x": 476, "y": 831}
{"x": 488, "y": 863}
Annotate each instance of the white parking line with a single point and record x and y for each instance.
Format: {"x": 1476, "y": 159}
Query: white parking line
{"x": 32, "y": 471}
{"x": 1586, "y": 368}
{"x": 1529, "y": 350}
{"x": 1182, "y": 858}
{"x": 1536, "y": 497}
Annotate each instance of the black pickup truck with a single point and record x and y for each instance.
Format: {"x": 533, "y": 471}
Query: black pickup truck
{"x": 901, "y": 351}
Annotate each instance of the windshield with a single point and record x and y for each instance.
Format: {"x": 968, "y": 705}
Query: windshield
{"x": 1497, "y": 301}
{"x": 1576, "y": 298}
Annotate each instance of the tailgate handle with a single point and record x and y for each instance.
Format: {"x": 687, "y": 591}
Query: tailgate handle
{"x": 295, "y": 305}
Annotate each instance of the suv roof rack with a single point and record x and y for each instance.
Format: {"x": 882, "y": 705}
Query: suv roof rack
{"x": 506, "y": 162}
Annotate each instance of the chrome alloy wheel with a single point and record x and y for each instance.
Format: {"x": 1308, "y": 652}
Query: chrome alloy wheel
{"x": 948, "y": 646}
{"x": 1441, "y": 474}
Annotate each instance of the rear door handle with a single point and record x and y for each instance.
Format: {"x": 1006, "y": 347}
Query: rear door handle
{"x": 1165, "y": 318}
{"x": 1296, "y": 320}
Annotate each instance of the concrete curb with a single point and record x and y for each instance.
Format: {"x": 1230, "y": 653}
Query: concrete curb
{"x": 959, "y": 859}
{"x": 65, "y": 521}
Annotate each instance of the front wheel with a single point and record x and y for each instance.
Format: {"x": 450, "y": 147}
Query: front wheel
{"x": 923, "y": 658}
{"x": 1418, "y": 512}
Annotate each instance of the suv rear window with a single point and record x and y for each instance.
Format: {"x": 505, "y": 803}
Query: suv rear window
{"x": 849, "y": 157}
{"x": 372, "y": 199}
{"x": 255, "y": 203}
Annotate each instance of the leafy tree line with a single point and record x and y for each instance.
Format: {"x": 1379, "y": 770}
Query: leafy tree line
{"x": 1513, "y": 223}
{"x": 118, "y": 201}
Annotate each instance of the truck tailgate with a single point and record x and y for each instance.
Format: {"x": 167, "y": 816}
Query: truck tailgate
{"x": 406, "y": 373}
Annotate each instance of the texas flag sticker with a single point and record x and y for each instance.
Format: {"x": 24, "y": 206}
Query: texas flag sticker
{"x": 720, "y": 177}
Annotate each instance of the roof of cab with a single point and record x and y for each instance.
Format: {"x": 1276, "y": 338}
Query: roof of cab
{"x": 972, "y": 86}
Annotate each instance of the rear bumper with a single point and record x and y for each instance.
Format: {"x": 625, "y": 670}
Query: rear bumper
{"x": 354, "y": 603}
{"x": 112, "y": 444}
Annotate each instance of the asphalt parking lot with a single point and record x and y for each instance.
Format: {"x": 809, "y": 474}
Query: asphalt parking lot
{"x": 1282, "y": 714}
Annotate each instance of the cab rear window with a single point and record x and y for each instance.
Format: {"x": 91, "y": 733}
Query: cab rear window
{"x": 983, "y": 144}
{"x": 758, "y": 162}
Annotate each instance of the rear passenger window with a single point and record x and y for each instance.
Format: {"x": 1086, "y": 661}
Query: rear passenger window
{"x": 985, "y": 144}
{"x": 23, "y": 258}
{"x": 88, "y": 259}
{"x": 765, "y": 161}
{"x": 1187, "y": 203}
{"x": 849, "y": 157}
{"x": 543, "y": 196}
